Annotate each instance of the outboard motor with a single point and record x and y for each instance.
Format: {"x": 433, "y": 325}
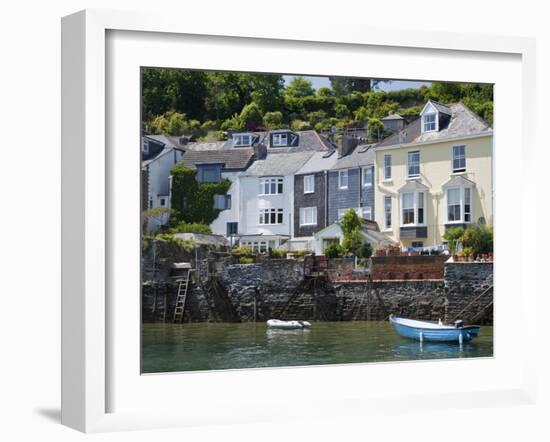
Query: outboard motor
{"x": 459, "y": 323}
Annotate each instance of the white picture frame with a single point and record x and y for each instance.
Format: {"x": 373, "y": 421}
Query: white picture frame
{"x": 87, "y": 234}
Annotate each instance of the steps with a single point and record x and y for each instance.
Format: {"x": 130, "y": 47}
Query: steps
{"x": 183, "y": 287}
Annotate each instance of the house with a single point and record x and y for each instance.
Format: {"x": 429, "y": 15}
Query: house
{"x": 158, "y": 154}
{"x": 434, "y": 174}
{"x": 266, "y": 201}
{"x": 310, "y": 198}
{"x": 332, "y": 234}
{"x": 351, "y": 181}
{"x": 225, "y": 159}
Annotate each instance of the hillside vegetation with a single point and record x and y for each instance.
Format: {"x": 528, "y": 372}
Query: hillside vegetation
{"x": 207, "y": 104}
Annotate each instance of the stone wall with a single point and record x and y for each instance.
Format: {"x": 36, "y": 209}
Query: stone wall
{"x": 469, "y": 289}
{"x": 277, "y": 288}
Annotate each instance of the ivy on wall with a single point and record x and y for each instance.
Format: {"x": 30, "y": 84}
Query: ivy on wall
{"x": 193, "y": 201}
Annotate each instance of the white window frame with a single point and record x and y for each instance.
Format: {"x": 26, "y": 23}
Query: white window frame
{"x": 462, "y": 202}
{"x": 238, "y": 140}
{"x": 388, "y": 198}
{"x": 309, "y": 183}
{"x": 458, "y": 158}
{"x": 304, "y": 215}
{"x": 342, "y": 173}
{"x": 368, "y": 180}
{"x": 410, "y": 164}
{"x": 278, "y": 140}
{"x": 266, "y": 182}
{"x": 387, "y": 167}
{"x": 415, "y": 208}
{"x": 265, "y": 214}
{"x": 435, "y": 122}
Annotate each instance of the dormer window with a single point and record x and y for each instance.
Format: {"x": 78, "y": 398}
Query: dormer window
{"x": 280, "y": 140}
{"x": 429, "y": 123}
{"x": 243, "y": 140}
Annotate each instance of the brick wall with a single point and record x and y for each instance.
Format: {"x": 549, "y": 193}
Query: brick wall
{"x": 407, "y": 267}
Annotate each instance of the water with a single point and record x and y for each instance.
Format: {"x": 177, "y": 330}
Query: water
{"x": 215, "y": 346}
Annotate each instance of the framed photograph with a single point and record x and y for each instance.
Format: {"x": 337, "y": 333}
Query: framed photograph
{"x": 254, "y": 215}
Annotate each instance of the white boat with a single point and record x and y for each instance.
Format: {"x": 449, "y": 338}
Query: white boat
{"x": 287, "y": 325}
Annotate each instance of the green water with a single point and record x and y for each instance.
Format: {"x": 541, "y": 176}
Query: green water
{"x": 215, "y": 346}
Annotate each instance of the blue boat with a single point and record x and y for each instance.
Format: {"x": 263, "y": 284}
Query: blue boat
{"x": 433, "y": 331}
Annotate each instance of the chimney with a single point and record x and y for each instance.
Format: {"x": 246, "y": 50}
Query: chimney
{"x": 260, "y": 151}
{"x": 346, "y": 144}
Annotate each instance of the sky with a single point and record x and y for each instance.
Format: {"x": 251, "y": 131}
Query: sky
{"x": 394, "y": 85}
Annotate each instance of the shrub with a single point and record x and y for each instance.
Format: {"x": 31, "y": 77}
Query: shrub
{"x": 246, "y": 260}
{"x": 184, "y": 227}
{"x": 365, "y": 251}
{"x": 350, "y": 224}
{"x": 185, "y": 244}
{"x": 242, "y": 250}
{"x": 479, "y": 238}
{"x": 453, "y": 235}
{"x": 333, "y": 250}
{"x": 279, "y": 253}
{"x": 273, "y": 120}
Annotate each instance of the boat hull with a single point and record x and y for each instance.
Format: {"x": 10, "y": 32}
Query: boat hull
{"x": 287, "y": 325}
{"x": 433, "y": 334}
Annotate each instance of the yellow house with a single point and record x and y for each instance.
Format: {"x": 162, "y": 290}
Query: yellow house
{"x": 434, "y": 174}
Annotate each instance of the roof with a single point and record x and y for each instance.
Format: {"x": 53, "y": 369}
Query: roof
{"x": 362, "y": 155}
{"x": 167, "y": 146}
{"x": 463, "y": 123}
{"x": 441, "y": 107}
{"x": 278, "y": 164}
{"x": 413, "y": 186}
{"x": 369, "y": 231}
{"x": 393, "y": 117}
{"x": 309, "y": 140}
{"x": 318, "y": 162}
{"x": 459, "y": 181}
{"x": 234, "y": 159}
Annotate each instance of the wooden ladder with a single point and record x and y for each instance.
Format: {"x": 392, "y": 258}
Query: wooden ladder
{"x": 181, "y": 297}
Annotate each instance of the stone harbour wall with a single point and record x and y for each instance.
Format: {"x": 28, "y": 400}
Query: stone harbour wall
{"x": 278, "y": 289}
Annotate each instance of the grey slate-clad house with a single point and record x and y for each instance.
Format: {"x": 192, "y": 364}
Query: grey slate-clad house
{"x": 310, "y": 194}
{"x": 351, "y": 182}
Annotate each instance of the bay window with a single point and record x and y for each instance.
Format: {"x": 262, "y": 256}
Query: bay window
{"x": 412, "y": 208}
{"x": 459, "y": 205}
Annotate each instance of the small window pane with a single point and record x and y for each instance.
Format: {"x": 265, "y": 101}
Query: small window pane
{"x": 387, "y": 167}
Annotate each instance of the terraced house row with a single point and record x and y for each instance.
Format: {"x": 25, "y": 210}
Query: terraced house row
{"x": 289, "y": 189}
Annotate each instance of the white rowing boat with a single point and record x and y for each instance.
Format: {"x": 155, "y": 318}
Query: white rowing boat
{"x": 287, "y": 325}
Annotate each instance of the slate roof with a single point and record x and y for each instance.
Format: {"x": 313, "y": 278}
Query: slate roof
{"x": 458, "y": 181}
{"x": 441, "y": 107}
{"x": 318, "y": 162}
{"x": 279, "y": 164}
{"x": 413, "y": 186}
{"x": 362, "y": 155}
{"x": 463, "y": 122}
{"x": 310, "y": 140}
{"x": 234, "y": 159}
{"x": 167, "y": 146}
{"x": 393, "y": 117}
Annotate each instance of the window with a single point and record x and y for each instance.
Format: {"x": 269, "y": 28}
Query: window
{"x": 408, "y": 208}
{"x": 242, "y": 140}
{"x": 184, "y": 202}
{"x": 222, "y": 202}
{"x": 413, "y": 163}
{"x": 343, "y": 179}
{"x": 309, "y": 183}
{"x": 145, "y": 146}
{"x": 341, "y": 213}
{"x": 308, "y": 216}
{"x": 209, "y": 173}
{"x": 412, "y": 208}
{"x": 429, "y": 123}
{"x": 366, "y": 213}
{"x": 271, "y": 216}
{"x": 162, "y": 202}
{"x": 387, "y": 166}
{"x": 459, "y": 158}
{"x": 387, "y": 212}
{"x": 367, "y": 176}
{"x": 417, "y": 244}
{"x": 271, "y": 186}
{"x": 232, "y": 228}
{"x": 280, "y": 139}
{"x": 453, "y": 205}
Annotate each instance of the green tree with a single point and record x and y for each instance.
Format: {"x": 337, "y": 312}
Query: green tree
{"x": 341, "y": 111}
{"x": 169, "y": 123}
{"x": 350, "y": 225}
{"x": 273, "y": 120}
{"x": 453, "y": 236}
{"x": 251, "y": 116}
{"x": 267, "y": 91}
{"x": 299, "y": 87}
{"x": 346, "y": 85}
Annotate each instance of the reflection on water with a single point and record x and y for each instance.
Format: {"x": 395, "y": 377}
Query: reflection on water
{"x": 204, "y": 346}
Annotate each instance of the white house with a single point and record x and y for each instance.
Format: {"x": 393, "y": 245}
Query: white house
{"x": 159, "y": 154}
